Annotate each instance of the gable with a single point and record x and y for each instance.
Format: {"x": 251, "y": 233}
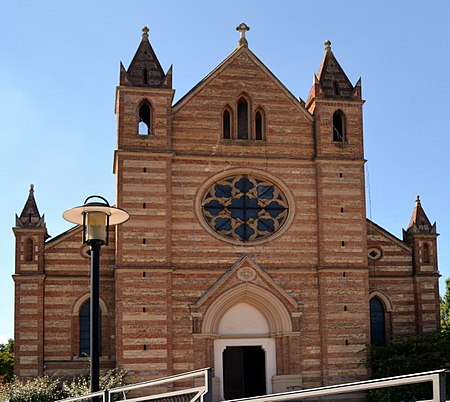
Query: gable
{"x": 197, "y": 117}
{"x": 246, "y": 286}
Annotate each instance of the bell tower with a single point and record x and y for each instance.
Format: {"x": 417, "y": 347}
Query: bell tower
{"x": 336, "y": 106}
{"x": 143, "y": 156}
{"x": 30, "y": 232}
{"x": 143, "y": 168}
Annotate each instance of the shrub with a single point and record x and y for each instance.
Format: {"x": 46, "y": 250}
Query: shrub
{"x": 412, "y": 355}
{"x": 46, "y": 388}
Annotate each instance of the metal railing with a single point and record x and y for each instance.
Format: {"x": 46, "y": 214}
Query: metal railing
{"x": 202, "y": 393}
{"x": 437, "y": 378}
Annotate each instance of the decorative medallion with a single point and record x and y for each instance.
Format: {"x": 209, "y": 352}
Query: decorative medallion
{"x": 246, "y": 274}
{"x": 244, "y": 208}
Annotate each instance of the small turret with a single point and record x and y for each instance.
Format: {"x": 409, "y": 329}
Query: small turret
{"x": 30, "y": 217}
{"x": 419, "y": 223}
{"x": 421, "y": 235}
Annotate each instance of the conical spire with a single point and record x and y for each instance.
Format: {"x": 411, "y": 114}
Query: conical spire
{"x": 331, "y": 80}
{"x": 419, "y": 222}
{"x": 145, "y": 69}
{"x": 30, "y": 217}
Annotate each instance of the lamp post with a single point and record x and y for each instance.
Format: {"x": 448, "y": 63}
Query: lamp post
{"x": 96, "y": 217}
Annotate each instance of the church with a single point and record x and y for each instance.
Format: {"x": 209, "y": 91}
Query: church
{"x": 248, "y": 249}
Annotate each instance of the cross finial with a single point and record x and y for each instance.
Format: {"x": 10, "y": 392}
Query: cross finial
{"x": 327, "y": 45}
{"x": 242, "y": 28}
{"x": 418, "y": 199}
{"x": 31, "y": 188}
{"x": 145, "y": 33}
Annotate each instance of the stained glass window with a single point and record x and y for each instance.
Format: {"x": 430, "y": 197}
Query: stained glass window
{"x": 244, "y": 207}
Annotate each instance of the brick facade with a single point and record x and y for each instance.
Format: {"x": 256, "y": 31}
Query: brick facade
{"x": 170, "y": 285}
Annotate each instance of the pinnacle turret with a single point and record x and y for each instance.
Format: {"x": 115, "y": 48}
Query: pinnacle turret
{"x": 419, "y": 223}
{"x": 145, "y": 69}
{"x": 331, "y": 80}
{"x": 30, "y": 217}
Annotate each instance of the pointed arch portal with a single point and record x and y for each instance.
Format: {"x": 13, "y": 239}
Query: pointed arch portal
{"x": 244, "y": 320}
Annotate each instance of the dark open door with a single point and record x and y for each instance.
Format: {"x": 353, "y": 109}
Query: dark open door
{"x": 244, "y": 371}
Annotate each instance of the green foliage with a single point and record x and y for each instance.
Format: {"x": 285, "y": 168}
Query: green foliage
{"x": 7, "y": 361}
{"x": 43, "y": 389}
{"x": 81, "y": 385}
{"x": 413, "y": 355}
{"x": 39, "y": 389}
{"x": 445, "y": 307}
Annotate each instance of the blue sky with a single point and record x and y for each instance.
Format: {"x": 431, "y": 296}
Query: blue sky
{"x": 60, "y": 65}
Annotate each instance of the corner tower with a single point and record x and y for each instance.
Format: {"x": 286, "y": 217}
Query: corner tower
{"x": 30, "y": 232}
{"x": 421, "y": 235}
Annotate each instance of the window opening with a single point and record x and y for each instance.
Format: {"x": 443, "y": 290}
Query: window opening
{"x": 336, "y": 88}
{"x": 85, "y": 329}
{"x": 145, "y": 76}
{"x": 29, "y": 250}
{"x": 338, "y": 126}
{"x": 242, "y": 119}
{"x": 258, "y": 126}
{"x": 377, "y": 322}
{"x": 144, "y": 120}
{"x": 426, "y": 253}
{"x": 226, "y": 129}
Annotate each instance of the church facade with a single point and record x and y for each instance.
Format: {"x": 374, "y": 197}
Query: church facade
{"x": 247, "y": 250}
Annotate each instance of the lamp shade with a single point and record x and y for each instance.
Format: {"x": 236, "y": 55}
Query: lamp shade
{"x": 96, "y": 217}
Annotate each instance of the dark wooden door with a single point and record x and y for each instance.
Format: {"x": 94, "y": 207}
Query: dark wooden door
{"x": 244, "y": 371}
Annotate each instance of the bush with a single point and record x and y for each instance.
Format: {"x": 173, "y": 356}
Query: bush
{"x": 40, "y": 389}
{"x": 81, "y": 385}
{"x": 43, "y": 389}
{"x": 412, "y": 355}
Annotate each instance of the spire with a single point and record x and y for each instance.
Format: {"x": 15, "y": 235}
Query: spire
{"x": 419, "y": 220}
{"x": 331, "y": 80}
{"x": 242, "y": 28}
{"x": 30, "y": 217}
{"x": 419, "y": 223}
{"x": 145, "y": 69}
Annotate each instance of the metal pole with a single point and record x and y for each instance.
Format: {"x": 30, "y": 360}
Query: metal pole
{"x": 95, "y": 317}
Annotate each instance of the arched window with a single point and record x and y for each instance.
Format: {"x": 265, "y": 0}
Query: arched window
{"x": 377, "y": 322}
{"x": 85, "y": 326}
{"x": 426, "y": 253}
{"x": 338, "y": 126}
{"x": 259, "y": 126}
{"x": 29, "y": 252}
{"x": 242, "y": 116}
{"x": 226, "y": 128}
{"x": 145, "y": 119}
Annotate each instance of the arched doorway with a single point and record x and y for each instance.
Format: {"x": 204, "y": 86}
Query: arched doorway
{"x": 245, "y": 359}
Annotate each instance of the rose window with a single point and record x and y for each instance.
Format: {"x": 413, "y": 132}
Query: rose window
{"x": 244, "y": 207}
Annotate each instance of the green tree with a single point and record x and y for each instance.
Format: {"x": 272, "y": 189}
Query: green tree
{"x": 7, "y": 361}
{"x": 445, "y": 307}
{"x": 412, "y": 355}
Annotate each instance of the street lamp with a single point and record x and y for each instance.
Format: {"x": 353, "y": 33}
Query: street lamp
{"x": 96, "y": 217}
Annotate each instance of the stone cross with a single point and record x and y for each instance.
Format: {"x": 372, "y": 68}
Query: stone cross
{"x": 242, "y": 28}
{"x": 145, "y": 33}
